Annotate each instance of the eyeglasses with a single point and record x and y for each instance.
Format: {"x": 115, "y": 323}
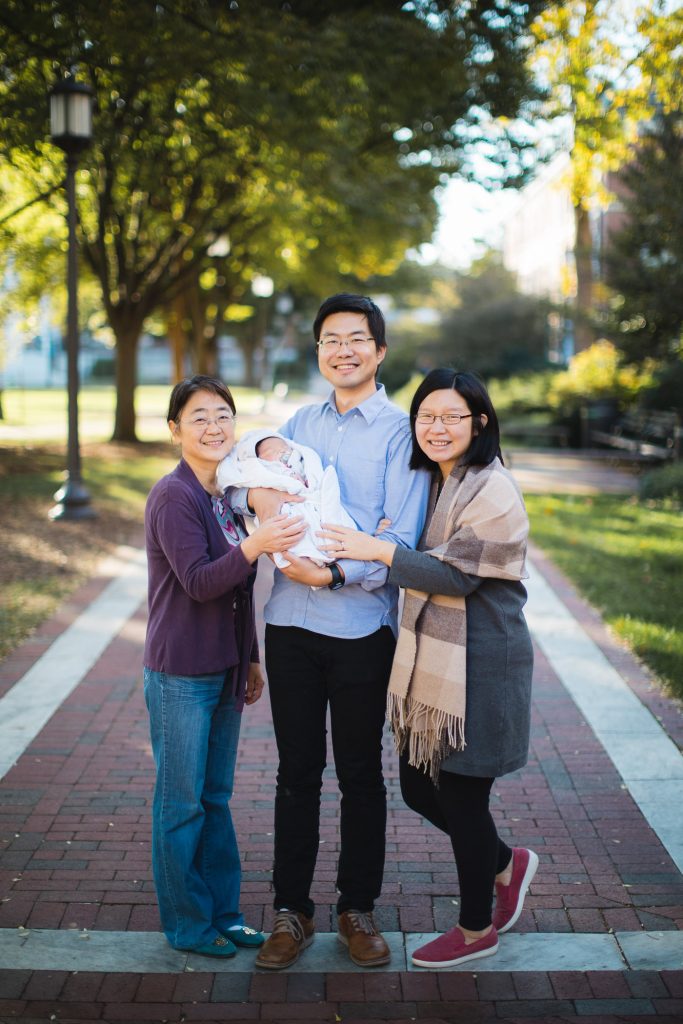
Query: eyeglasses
{"x": 450, "y": 419}
{"x": 335, "y": 344}
{"x": 202, "y": 422}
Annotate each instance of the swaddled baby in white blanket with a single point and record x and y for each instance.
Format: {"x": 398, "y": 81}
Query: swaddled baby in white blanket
{"x": 263, "y": 458}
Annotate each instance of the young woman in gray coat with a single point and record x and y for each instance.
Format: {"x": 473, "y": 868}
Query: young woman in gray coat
{"x": 460, "y": 691}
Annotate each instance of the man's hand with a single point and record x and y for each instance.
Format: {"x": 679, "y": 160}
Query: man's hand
{"x": 255, "y": 683}
{"x": 266, "y": 502}
{"x": 303, "y": 570}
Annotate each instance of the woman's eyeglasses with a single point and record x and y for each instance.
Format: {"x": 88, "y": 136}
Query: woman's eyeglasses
{"x": 202, "y": 422}
{"x": 450, "y": 419}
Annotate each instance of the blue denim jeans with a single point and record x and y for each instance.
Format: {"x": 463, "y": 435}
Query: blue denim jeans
{"x": 195, "y": 729}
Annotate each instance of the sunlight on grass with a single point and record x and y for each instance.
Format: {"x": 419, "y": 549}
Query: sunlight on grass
{"x": 41, "y": 414}
{"x": 25, "y": 604}
{"x": 627, "y": 559}
{"x": 645, "y": 636}
{"x": 125, "y": 484}
{"x": 43, "y": 562}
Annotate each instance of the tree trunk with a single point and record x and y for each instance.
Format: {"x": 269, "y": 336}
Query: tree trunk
{"x": 204, "y": 342}
{"x": 208, "y": 355}
{"x": 126, "y": 381}
{"x": 178, "y": 337}
{"x": 252, "y": 343}
{"x": 248, "y": 347}
{"x": 584, "y": 335}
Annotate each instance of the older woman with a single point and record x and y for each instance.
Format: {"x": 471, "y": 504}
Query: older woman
{"x": 201, "y": 668}
{"x": 460, "y": 689}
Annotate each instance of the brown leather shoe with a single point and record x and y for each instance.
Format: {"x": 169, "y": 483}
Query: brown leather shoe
{"x": 367, "y": 947}
{"x": 291, "y": 933}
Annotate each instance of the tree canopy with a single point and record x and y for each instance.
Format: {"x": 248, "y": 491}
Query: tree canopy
{"x": 475, "y": 320}
{"x": 307, "y": 134}
{"x": 495, "y": 329}
{"x": 645, "y": 259}
{"x": 607, "y": 64}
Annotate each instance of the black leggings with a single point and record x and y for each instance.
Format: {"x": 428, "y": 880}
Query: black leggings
{"x": 460, "y": 808}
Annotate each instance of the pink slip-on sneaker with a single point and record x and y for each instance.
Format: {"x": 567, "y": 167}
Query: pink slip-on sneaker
{"x": 510, "y": 898}
{"x": 450, "y": 949}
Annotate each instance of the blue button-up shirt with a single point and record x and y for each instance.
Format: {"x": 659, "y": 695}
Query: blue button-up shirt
{"x": 369, "y": 446}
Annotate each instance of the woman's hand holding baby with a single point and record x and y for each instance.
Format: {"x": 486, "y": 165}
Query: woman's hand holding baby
{"x": 278, "y": 533}
{"x": 341, "y": 542}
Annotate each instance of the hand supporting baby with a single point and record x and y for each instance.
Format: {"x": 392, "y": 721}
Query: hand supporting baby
{"x": 266, "y": 502}
{"x": 341, "y": 542}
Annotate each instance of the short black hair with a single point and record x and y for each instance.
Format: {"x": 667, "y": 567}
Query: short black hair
{"x": 485, "y": 444}
{"x": 345, "y": 302}
{"x": 184, "y": 390}
{"x": 258, "y": 444}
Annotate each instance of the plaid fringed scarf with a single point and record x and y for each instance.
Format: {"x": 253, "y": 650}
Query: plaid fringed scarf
{"x": 480, "y": 526}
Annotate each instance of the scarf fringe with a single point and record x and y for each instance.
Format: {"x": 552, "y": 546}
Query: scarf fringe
{"x": 430, "y": 734}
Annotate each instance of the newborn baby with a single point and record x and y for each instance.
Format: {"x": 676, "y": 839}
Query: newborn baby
{"x": 263, "y": 458}
{"x": 276, "y": 450}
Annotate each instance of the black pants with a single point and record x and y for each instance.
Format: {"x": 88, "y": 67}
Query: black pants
{"x": 459, "y": 806}
{"x": 306, "y": 672}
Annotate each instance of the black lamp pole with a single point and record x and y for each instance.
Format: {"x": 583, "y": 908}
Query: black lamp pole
{"x": 71, "y": 130}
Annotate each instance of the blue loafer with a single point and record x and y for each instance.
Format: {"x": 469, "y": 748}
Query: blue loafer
{"x": 247, "y": 937}
{"x": 221, "y": 946}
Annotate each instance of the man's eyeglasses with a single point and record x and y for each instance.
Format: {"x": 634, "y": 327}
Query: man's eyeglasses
{"x": 451, "y": 419}
{"x": 202, "y": 422}
{"x": 335, "y": 344}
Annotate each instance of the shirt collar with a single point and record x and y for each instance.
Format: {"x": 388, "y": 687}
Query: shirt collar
{"x": 369, "y": 409}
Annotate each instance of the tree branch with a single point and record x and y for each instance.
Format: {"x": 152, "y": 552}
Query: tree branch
{"x": 36, "y": 199}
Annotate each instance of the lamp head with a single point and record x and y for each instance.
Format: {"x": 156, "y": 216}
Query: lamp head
{"x": 71, "y": 105}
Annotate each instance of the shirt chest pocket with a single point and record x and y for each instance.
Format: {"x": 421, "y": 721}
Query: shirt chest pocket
{"x": 365, "y": 483}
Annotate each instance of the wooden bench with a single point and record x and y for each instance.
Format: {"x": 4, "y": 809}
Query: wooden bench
{"x": 643, "y": 434}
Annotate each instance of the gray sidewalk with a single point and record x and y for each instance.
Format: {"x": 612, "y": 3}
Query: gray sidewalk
{"x": 563, "y": 471}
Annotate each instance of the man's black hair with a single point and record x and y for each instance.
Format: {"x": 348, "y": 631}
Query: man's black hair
{"x": 344, "y": 302}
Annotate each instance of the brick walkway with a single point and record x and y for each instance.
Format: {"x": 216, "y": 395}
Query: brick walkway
{"x": 599, "y": 940}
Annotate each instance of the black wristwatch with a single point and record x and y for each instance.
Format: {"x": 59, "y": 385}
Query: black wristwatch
{"x": 337, "y": 576}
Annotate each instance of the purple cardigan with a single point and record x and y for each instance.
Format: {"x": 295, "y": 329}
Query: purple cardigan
{"x": 201, "y": 613}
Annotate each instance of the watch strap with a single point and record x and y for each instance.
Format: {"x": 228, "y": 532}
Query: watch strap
{"x": 337, "y": 576}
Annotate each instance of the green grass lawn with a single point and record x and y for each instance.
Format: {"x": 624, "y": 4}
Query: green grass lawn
{"x": 42, "y": 562}
{"x": 626, "y": 558}
{"x": 41, "y": 414}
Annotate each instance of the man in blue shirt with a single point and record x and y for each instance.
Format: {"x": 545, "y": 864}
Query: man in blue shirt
{"x": 330, "y": 638}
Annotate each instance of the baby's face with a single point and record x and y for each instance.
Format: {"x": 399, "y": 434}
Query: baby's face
{"x": 272, "y": 449}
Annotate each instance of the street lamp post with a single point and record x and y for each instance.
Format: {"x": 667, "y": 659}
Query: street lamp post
{"x": 71, "y": 130}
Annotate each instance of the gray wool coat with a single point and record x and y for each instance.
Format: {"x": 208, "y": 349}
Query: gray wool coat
{"x": 499, "y": 662}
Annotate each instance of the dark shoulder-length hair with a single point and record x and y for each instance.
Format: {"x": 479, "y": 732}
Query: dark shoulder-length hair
{"x": 485, "y": 444}
{"x": 184, "y": 390}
